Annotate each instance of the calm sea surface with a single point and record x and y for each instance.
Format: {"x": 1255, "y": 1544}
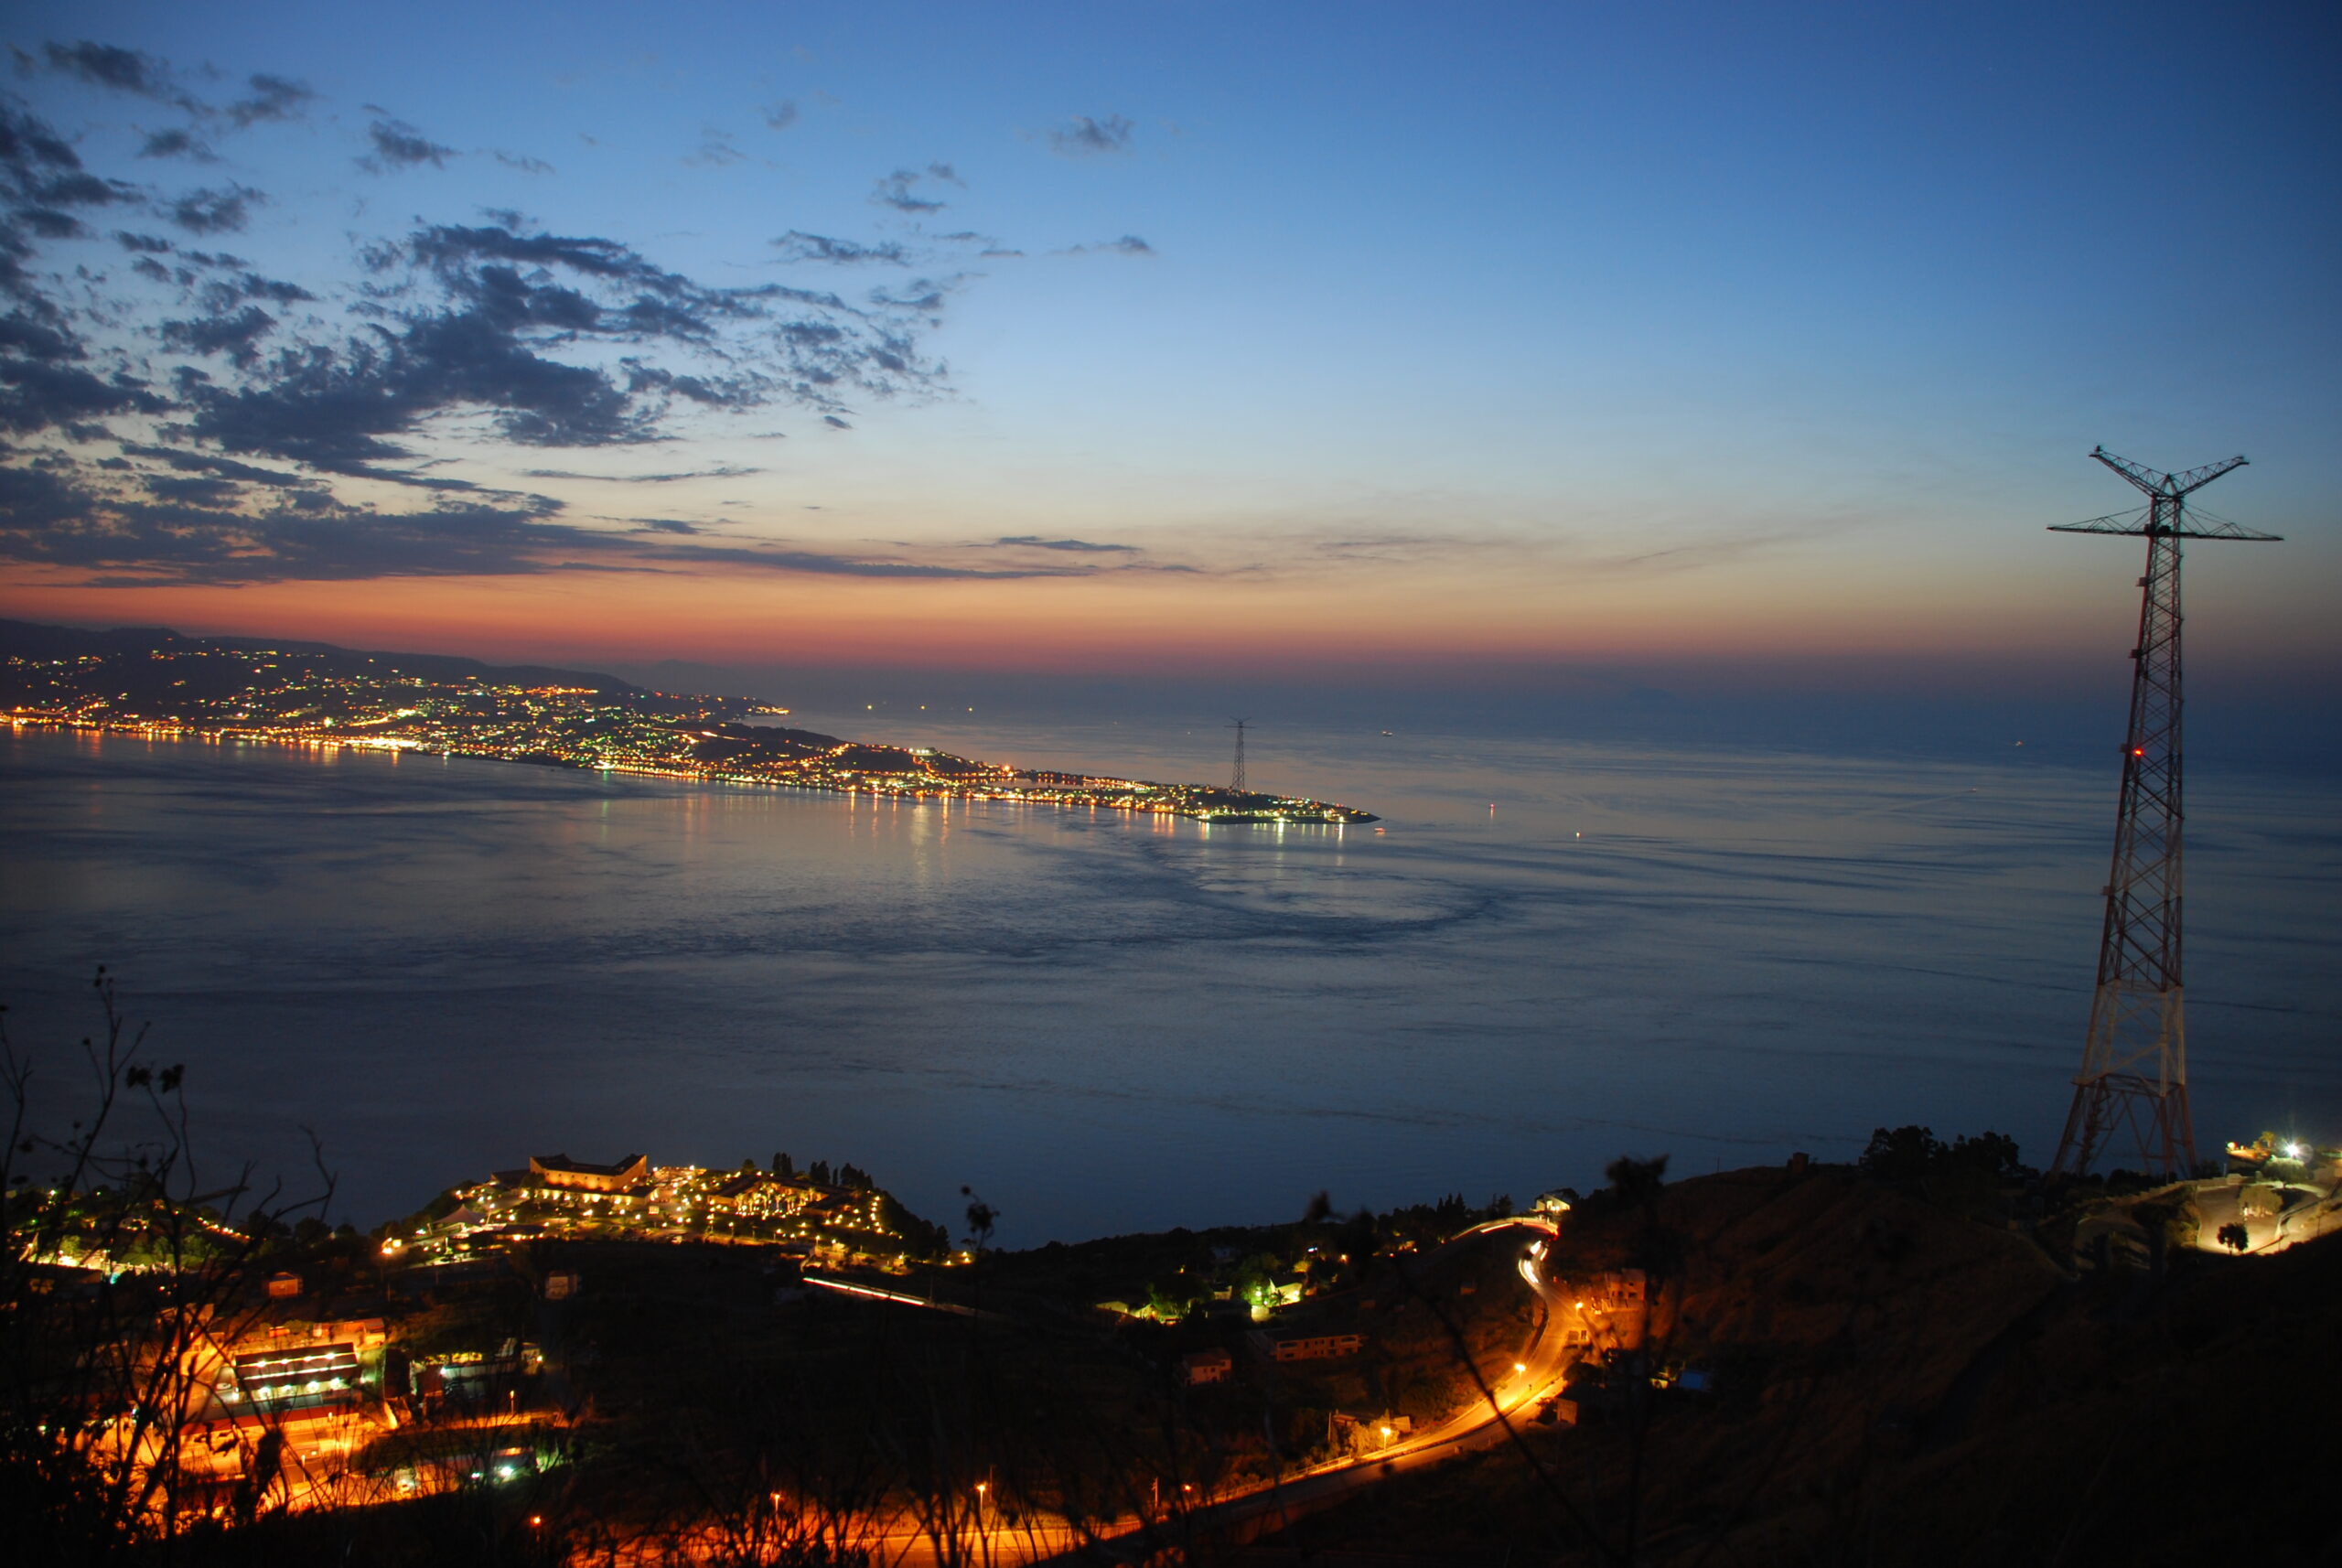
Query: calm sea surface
{"x": 1553, "y": 955}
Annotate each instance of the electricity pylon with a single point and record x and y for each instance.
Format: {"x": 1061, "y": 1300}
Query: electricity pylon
{"x": 2135, "y": 1060}
{"x": 1236, "y": 779}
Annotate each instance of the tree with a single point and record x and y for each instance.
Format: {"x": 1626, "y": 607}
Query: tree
{"x": 102, "y": 1368}
{"x": 2232, "y": 1236}
{"x": 1905, "y": 1155}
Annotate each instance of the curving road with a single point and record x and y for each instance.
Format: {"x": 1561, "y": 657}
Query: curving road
{"x": 1536, "y": 1377}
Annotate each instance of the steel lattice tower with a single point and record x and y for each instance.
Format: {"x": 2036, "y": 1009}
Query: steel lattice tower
{"x": 1236, "y": 778}
{"x": 2135, "y": 1060}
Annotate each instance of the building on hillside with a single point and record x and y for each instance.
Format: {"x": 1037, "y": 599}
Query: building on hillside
{"x": 560, "y": 1170}
{"x": 1214, "y": 1366}
{"x": 362, "y": 1334}
{"x": 476, "y": 1376}
{"x": 1622, "y": 1287}
{"x": 307, "y": 1376}
{"x": 1314, "y": 1346}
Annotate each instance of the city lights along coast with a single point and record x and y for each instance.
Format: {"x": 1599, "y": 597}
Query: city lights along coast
{"x": 148, "y": 681}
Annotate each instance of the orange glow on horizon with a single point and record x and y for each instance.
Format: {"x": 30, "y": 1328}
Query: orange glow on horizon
{"x": 1119, "y": 627}
{"x": 1043, "y": 625}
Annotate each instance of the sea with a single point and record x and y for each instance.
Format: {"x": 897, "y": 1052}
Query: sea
{"x": 410, "y": 970}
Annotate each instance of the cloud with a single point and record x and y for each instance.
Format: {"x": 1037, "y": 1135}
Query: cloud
{"x": 1128, "y": 245}
{"x": 167, "y": 529}
{"x": 716, "y": 150}
{"x": 20, "y": 335}
{"x": 1082, "y": 136}
{"x": 272, "y": 98}
{"x": 895, "y": 190}
{"x": 208, "y": 462}
{"x": 234, "y": 335}
{"x": 119, "y": 69}
{"x": 128, "y": 70}
{"x": 799, "y": 246}
{"x": 140, "y": 529}
{"x": 925, "y": 296}
{"x": 1080, "y": 547}
{"x": 208, "y": 211}
{"x": 177, "y": 144}
{"x": 507, "y": 297}
{"x": 398, "y": 145}
{"x": 835, "y": 422}
{"x": 721, "y": 472}
{"x": 818, "y": 563}
{"x": 224, "y": 293}
{"x": 520, "y": 161}
{"x": 229, "y": 406}
{"x": 37, "y": 394}
{"x": 780, "y": 116}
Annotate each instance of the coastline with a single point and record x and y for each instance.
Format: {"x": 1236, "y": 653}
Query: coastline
{"x": 1298, "y": 814}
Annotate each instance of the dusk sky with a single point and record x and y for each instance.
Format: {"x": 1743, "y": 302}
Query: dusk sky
{"x": 1171, "y": 337}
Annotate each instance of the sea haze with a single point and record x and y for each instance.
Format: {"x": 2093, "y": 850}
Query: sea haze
{"x": 1551, "y": 954}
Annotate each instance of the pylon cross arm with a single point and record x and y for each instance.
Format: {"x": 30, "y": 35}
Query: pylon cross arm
{"x": 2196, "y": 478}
{"x": 2155, "y": 483}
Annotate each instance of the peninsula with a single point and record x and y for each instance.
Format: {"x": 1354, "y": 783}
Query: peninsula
{"x": 149, "y": 681}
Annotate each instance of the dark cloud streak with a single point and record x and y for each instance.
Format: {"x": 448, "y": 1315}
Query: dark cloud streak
{"x": 399, "y": 146}
{"x": 215, "y": 211}
{"x": 1081, "y": 546}
{"x": 723, "y": 471}
{"x": 177, "y": 144}
{"x": 272, "y": 98}
{"x": 799, "y": 246}
{"x": 1082, "y": 136}
{"x": 190, "y": 527}
{"x": 897, "y": 190}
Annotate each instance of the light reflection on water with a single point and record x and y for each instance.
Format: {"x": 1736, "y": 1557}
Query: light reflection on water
{"x": 1109, "y": 1023}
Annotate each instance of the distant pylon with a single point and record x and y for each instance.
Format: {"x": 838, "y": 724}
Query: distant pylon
{"x": 2134, "y": 1058}
{"x": 1236, "y": 779}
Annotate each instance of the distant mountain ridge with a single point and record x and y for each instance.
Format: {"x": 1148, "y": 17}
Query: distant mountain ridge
{"x": 33, "y": 639}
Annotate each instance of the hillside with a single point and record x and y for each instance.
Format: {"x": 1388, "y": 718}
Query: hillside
{"x": 32, "y": 639}
{"x": 1892, "y": 1383}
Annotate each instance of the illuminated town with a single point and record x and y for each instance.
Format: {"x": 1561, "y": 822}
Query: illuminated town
{"x": 809, "y": 1216}
{"x": 178, "y": 686}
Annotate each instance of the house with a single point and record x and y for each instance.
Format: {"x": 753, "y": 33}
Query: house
{"x": 1317, "y": 1346}
{"x": 1624, "y": 1287}
{"x": 560, "y": 1170}
{"x": 1214, "y": 1366}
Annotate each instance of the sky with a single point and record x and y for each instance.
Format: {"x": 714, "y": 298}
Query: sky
{"x": 1743, "y": 346}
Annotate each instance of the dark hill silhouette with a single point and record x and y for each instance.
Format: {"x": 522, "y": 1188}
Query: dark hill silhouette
{"x": 32, "y": 639}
